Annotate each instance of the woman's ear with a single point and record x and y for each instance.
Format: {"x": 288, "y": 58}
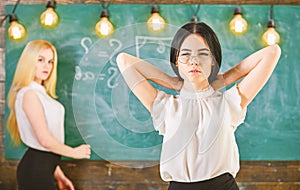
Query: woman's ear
{"x": 213, "y": 63}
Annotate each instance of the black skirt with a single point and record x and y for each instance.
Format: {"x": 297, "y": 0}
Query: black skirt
{"x": 36, "y": 170}
{"x": 222, "y": 182}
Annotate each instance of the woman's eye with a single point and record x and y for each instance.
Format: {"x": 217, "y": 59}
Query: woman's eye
{"x": 185, "y": 54}
{"x": 203, "y": 54}
{"x": 40, "y": 60}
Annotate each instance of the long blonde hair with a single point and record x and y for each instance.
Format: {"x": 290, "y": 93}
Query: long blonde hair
{"x": 24, "y": 75}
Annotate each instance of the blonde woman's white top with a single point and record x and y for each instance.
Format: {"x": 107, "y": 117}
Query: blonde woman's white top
{"x": 54, "y": 114}
{"x": 198, "y": 130}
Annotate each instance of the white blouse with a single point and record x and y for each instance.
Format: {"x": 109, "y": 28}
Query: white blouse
{"x": 54, "y": 115}
{"x": 198, "y": 130}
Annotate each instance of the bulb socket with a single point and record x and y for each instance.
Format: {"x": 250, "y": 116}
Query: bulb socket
{"x": 104, "y": 13}
{"x": 271, "y": 23}
{"x": 13, "y": 17}
{"x": 238, "y": 11}
{"x": 51, "y": 4}
{"x": 154, "y": 9}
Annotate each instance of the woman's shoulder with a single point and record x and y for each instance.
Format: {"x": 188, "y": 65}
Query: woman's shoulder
{"x": 231, "y": 91}
{"x": 165, "y": 95}
{"x": 229, "y": 94}
{"x": 26, "y": 94}
{"x": 23, "y": 90}
{"x": 30, "y": 89}
{"x": 164, "y": 99}
{"x": 233, "y": 97}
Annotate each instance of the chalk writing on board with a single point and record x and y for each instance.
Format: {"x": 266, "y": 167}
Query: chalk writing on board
{"x": 86, "y": 69}
{"x": 143, "y": 40}
{"x": 84, "y": 45}
{"x": 83, "y": 76}
{"x": 88, "y": 75}
{"x": 113, "y": 72}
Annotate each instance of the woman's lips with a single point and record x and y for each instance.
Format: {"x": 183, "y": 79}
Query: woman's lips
{"x": 194, "y": 71}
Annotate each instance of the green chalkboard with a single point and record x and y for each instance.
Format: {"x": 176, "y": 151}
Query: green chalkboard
{"x": 101, "y": 110}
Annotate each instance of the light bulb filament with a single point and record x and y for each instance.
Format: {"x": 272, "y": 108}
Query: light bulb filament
{"x": 156, "y": 23}
{"x": 16, "y": 32}
{"x": 104, "y": 27}
{"x": 271, "y": 37}
{"x": 238, "y": 24}
{"x": 49, "y": 18}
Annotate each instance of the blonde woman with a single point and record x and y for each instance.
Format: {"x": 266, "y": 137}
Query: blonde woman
{"x": 37, "y": 120}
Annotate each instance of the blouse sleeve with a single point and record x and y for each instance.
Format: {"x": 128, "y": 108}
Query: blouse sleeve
{"x": 233, "y": 99}
{"x": 158, "y": 112}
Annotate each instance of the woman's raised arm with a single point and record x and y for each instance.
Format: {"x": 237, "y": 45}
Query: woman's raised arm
{"x": 137, "y": 72}
{"x": 256, "y": 70}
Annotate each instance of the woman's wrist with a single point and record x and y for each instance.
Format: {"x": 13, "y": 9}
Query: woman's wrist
{"x": 223, "y": 80}
{"x": 176, "y": 83}
{"x": 58, "y": 174}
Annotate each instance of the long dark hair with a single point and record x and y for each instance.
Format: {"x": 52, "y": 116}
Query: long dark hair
{"x": 209, "y": 36}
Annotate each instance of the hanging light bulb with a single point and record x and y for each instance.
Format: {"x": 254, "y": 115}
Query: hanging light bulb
{"x": 104, "y": 27}
{"x": 156, "y": 23}
{"x": 271, "y": 37}
{"x": 238, "y": 25}
{"x": 16, "y": 31}
{"x": 49, "y": 18}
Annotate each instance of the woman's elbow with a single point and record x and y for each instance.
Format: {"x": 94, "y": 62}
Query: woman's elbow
{"x": 275, "y": 50}
{"x": 44, "y": 143}
{"x": 121, "y": 57}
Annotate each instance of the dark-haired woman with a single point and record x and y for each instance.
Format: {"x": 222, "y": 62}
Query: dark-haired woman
{"x": 199, "y": 150}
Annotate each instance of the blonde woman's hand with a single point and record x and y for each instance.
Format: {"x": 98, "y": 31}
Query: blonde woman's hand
{"x": 63, "y": 182}
{"x": 82, "y": 151}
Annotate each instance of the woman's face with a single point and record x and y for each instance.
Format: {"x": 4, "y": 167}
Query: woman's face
{"x": 44, "y": 65}
{"x": 194, "y": 59}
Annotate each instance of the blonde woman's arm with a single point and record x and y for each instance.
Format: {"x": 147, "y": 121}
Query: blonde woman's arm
{"x": 136, "y": 72}
{"x": 35, "y": 113}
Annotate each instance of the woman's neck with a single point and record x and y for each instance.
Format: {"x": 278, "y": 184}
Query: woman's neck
{"x": 39, "y": 81}
{"x": 188, "y": 86}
